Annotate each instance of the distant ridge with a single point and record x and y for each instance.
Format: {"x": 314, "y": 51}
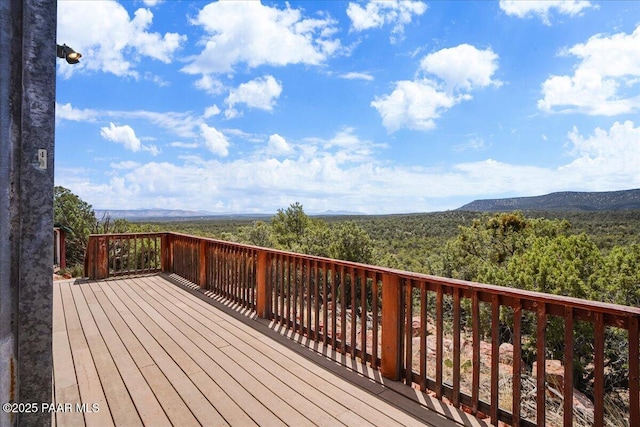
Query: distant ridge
{"x": 561, "y": 201}
{"x": 134, "y": 214}
{"x": 178, "y": 214}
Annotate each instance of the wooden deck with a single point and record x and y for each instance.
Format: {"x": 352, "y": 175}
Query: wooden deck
{"x": 149, "y": 351}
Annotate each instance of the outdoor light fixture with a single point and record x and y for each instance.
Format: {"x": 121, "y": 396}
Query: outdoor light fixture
{"x": 69, "y": 54}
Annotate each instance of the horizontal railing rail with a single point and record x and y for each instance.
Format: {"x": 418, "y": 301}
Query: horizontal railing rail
{"x": 424, "y": 330}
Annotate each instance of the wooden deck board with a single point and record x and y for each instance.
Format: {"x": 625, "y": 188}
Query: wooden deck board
{"x": 149, "y": 351}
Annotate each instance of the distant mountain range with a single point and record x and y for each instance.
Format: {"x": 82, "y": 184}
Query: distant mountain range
{"x": 562, "y": 201}
{"x": 133, "y": 214}
{"x": 177, "y": 214}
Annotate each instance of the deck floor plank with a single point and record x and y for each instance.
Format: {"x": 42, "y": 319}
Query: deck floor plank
{"x": 309, "y": 407}
{"x": 210, "y": 356}
{"x": 168, "y": 356}
{"x": 174, "y": 357}
{"x": 86, "y": 373}
{"x": 64, "y": 375}
{"x": 145, "y": 402}
{"x": 250, "y": 352}
{"x": 122, "y": 408}
{"x": 126, "y": 325}
{"x": 304, "y": 374}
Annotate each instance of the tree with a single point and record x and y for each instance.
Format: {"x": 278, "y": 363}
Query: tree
{"x": 74, "y": 213}
{"x": 350, "y": 242}
{"x": 289, "y": 227}
{"x": 620, "y": 275}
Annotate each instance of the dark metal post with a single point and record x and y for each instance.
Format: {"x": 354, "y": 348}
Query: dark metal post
{"x": 27, "y": 123}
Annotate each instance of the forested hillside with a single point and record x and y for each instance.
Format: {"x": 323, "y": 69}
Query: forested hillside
{"x": 569, "y": 201}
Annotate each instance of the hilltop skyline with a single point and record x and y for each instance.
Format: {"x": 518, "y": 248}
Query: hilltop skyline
{"x": 373, "y": 107}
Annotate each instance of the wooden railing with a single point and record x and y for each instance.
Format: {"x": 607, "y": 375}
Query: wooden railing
{"x": 413, "y": 327}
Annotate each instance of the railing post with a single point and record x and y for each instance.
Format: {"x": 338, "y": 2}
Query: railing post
{"x": 391, "y": 327}
{"x": 262, "y": 294}
{"x": 164, "y": 250}
{"x": 202, "y": 265}
{"x": 96, "y": 258}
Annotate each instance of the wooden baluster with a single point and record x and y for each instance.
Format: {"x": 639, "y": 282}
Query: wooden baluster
{"x": 439, "y": 340}
{"x": 540, "y": 358}
{"x": 517, "y": 361}
{"x": 456, "y": 347}
{"x": 568, "y": 367}
{"x": 634, "y": 373}
{"x": 495, "y": 356}
{"x": 475, "y": 318}
{"x": 423, "y": 336}
{"x": 598, "y": 387}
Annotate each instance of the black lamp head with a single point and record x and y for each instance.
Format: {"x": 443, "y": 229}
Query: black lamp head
{"x": 69, "y": 54}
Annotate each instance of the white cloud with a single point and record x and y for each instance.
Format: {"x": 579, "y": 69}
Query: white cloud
{"x": 127, "y": 164}
{"x": 413, "y": 105}
{"x": 473, "y": 144}
{"x": 605, "y": 81}
{"x": 67, "y": 112}
{"x": 104, "y": 32}
{"x": 180, "y": 144}
{"x": 319, "y": 177}
{"x": 152, "y": 3}
{"x": 126, "y": 136}
{"x": 252, "y": 33}
{"x": 416, "y": 104}
{"x": 463, "y": 67}
{"x": 183, "y": 124}
{"x": 378, "y": 13}
{"x": 542, "y": 8}
{"x": 259, "y": 93}
{"x": 210, "y": 84}
{"x": 278, "y": 146}
{"x": 214, "y": 140}
{"x": 356, "y": 76}
{"x": 606, "y": 159}
{"x": 211, "y": 111}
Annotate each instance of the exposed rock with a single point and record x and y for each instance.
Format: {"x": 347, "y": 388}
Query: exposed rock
{"x": 554, "y": 374}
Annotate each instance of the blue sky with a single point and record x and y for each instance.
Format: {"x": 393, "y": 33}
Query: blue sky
{"x": 373, "y": 107}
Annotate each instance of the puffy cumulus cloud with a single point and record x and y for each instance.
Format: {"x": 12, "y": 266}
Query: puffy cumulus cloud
{"x": 115, "y": 42}
{"x": 259, "y": 93}
{"x": 463, "y": 67}
{"x": 210, "y": 84}
{"x": 214, "y": 140}
{"x": 378, "y": 13}
{"x": 605, "y": 81}
{"x": 451, "y": 74}
{"x": 252, "y": 33}
{"x": 211, "y": 111}
{"x": 278, "y": 146}
{"x": 414, "y": 105}
{"x": 126, "y": 136}
{"x": 68, "y": 112}
{"x": 542, "y": 8}
{"x": 344, "y": 146}
{"x": 606, "y": 158}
